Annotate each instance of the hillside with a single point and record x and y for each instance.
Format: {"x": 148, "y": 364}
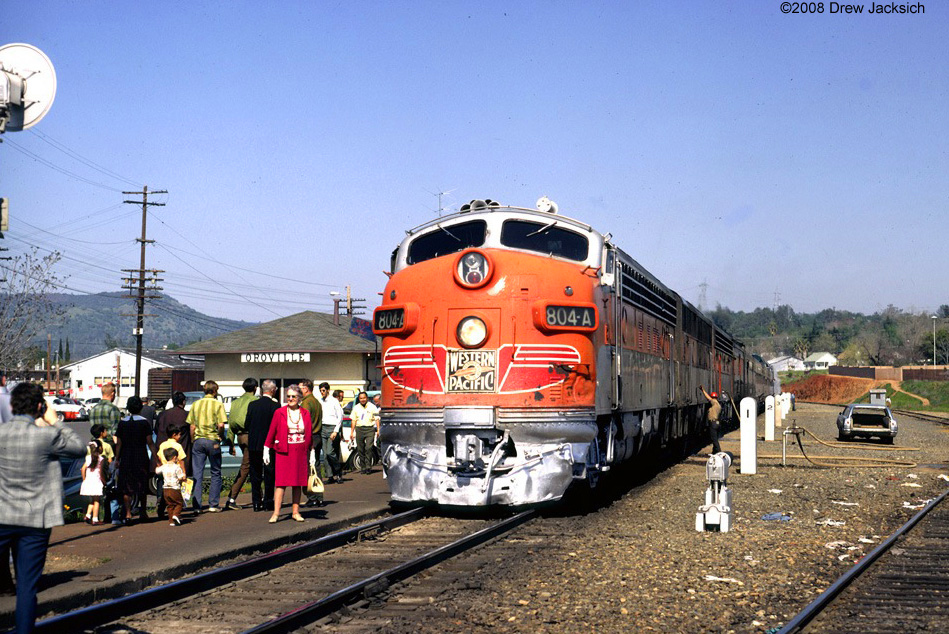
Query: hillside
{"x": 92, "y": 323}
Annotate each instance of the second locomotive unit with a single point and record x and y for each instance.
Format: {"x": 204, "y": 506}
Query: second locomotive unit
{"x": 523, "y": 352}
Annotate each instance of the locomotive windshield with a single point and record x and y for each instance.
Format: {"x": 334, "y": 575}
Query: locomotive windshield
{"x": 445, "y": 240}
{"x": 544, "y": 238}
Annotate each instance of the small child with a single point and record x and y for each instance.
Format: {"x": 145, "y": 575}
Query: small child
{"x": 174, "y": 441}
{"x": 100, "y": 433}
{"x": 173, "y": 476}
{"x": 93, "y": 474}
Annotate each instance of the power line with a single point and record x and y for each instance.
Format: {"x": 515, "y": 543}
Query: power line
{"x": 75, "y": 155}
{"x": 230, "y": 266}
{"x": 71, "y": 239}
{"x": 216, "y": 282}
{"x": 53, "y": 166}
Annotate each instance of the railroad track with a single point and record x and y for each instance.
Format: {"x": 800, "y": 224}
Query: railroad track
{"x": 293, "y": 587}
{"x": 901, "y": 586}
{"x": 922, "y": 416}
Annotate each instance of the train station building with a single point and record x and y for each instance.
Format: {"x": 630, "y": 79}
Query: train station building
{"x": 307, "y": 345}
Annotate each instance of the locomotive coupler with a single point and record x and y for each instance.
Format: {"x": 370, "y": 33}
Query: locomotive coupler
{"x": 716, "y": 513}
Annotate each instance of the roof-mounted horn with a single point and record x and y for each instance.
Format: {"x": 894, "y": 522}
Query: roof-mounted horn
{"x": 546, "y": 204}
{"x": 477, "y": 205}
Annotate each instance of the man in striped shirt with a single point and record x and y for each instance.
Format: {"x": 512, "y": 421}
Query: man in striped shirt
{"x": 207, "y": 418}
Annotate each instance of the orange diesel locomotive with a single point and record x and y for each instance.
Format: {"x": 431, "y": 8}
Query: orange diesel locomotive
{"x": 522, "y": 351}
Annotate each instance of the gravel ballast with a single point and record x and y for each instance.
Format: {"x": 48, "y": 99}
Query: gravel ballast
{"x": 638, "y": 564}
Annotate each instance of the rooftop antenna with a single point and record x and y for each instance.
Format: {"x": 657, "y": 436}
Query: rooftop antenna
{"x": 27, "y": 86}
{"x": 440, "y": 194}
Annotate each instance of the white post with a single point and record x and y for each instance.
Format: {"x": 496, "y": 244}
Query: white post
{"x": 778, "y": 411}
{"x": 785, "y": 404}
{"x": 769, "y": 418}
{"x": 749, "y": 436}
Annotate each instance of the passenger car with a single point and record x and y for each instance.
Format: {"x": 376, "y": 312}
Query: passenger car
{"x": 866, "y": 420}
{"x": 67, "y": 408}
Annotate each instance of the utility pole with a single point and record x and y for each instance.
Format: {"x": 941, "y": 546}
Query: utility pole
{"x": 118, "y": 374}
{"x": 351, "y": 307}
{"x": 141, "y": 271}
{"x": 49, "y": 353}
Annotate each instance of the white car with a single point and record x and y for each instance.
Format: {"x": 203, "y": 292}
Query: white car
{"x": 67, "y": 408}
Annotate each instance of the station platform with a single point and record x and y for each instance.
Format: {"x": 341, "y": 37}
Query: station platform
{"x": 86, "y": 564}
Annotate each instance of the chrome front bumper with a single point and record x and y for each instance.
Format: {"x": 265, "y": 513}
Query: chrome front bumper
{"x": 536, "y": 454}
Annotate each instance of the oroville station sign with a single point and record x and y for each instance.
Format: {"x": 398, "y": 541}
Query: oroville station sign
{"x": 275, "y": 357}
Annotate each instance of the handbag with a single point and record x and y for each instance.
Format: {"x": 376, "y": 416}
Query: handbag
{"x": 313, "y": 483}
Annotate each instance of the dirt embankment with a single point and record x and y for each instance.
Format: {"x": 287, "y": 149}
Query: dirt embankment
{"x": 824, "y": 388}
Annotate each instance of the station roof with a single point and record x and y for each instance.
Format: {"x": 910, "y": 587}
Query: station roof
{"x": 167, "y": 358}
{"x": 308, "y": 331}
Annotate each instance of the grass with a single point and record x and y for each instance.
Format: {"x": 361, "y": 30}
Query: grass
{"x": 936, "y": 391}
{"x": 793, "y": 376}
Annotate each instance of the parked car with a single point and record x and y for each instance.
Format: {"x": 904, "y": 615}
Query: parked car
{"x": 67, "y": 408}
{"x": 73, "y": 503}
{"x": 866, "y": 420}
{"x": 193, "y": 397}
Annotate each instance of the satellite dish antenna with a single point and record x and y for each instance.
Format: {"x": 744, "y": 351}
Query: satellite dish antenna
{"x": 27, "y": 86}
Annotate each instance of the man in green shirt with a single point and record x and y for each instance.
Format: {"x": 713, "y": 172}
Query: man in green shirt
{"x": 207, "y": 418}
{"x": 105, "y": 413}
{"x": 312, "y": 405}
{"x": 237, "y": 432}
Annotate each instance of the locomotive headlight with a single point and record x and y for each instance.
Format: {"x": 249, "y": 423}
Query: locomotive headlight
{"x": 472, "y": 332}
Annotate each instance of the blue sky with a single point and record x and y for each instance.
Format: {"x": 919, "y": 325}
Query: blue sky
{"x": 724, "y": 143}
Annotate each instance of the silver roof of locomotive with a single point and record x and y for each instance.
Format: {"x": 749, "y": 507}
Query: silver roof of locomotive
{"x": 495, "y": 214}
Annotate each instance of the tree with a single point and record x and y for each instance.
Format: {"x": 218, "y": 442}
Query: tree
{"x": 68, "y": 356}
{"x": 25, "y": 304}
{"x": 801, "y": 348}
{"x": 942, "y": 347}
{"x": 110, "y": 342}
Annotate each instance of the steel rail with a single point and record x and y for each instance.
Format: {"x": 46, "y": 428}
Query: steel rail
{"x": 151, "y": 598}
{"x": 820, "y": 603}
{"x": 932, "y": 418}
{"x": 327, "y": 605}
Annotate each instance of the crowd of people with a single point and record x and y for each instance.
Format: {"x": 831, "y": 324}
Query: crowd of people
{"x": 282, "y": 447}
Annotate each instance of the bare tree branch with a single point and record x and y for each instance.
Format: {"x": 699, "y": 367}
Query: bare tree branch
{"x": 25, "y": 305}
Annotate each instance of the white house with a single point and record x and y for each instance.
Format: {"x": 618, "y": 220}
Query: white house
{"x": 86, "y": 377}
{"x": 786, "y": 363}
{"x": 819, "y": 361}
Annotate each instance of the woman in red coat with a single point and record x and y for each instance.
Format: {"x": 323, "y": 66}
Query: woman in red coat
{"x": 290, "y": 437}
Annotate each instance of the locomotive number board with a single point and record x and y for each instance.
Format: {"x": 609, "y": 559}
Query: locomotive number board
{"x": 389, "y": 319}
{"x": 571, "y": 316}
{"x": 472, "y": 370}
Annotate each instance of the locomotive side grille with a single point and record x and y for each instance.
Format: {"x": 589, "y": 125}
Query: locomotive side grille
{"x": 642, "y": 293}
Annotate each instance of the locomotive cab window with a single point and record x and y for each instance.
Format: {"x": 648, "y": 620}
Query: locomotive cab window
{"x": 545, "y": 238}
{"x": 446, "y": 240}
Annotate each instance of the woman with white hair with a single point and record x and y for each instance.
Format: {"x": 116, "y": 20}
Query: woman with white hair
{"x": 290, "y": 437}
